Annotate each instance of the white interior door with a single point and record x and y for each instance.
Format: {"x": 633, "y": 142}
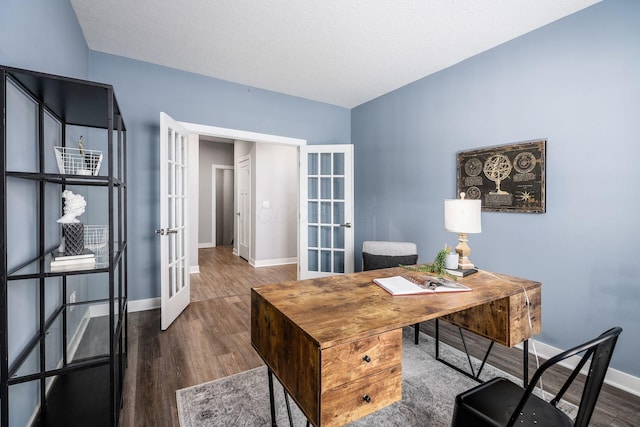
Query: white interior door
{"x": 244, "y": 207}
{"x": 326, "y": 210}
{"x": 174, "y": 274}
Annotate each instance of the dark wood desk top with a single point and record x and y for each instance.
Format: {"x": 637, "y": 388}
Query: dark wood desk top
{"x": 338, "y": 309}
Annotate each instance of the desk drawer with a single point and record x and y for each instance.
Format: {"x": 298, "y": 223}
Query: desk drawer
{"x": 348, "y": 362}
{"x": 347, "y": 402}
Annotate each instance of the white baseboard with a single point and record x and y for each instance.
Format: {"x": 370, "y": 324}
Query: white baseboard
{"x": 274, "y": 262}
{"x": 206, "y": 245}
{"x": 144, "y": 304}
{"x": 79, "y": 333}
{"x": 614, "y": 377}
{"x": 194, "y": 269}
{"x": 133, "y": 306}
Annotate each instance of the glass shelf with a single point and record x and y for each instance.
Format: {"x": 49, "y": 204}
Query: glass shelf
{"x": 100, "y": 180}
{"x": 32, "y": 269}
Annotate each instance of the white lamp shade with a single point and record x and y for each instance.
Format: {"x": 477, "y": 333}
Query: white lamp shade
{"x": 462, "y": 215}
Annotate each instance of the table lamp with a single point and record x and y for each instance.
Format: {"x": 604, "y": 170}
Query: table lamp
{"x": 462, "y": 216}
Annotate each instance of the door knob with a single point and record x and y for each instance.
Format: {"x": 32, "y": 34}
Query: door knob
{"x": 346, "y": 225}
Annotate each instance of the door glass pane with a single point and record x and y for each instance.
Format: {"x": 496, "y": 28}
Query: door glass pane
{"x": 176, "y": 147}
{"x": 181, "y": 244}
{"x": 181, "y": 155}
{"x": 338, "y": 212}
{"x": 178, "y": 208}
{"x": 325, "y": 212}
{"x": 313, "y": 212}
{"x": 179, "y": 276}
{"x": 325, "y": 164}
{"x": 338, "y": 188}
{"x": 313, "y": 260}
{"x": 170, "y": 246}
{"x": 338, "y": 237}
{"x": 312, "y": 164}
{"x": 170, "y": 142}
{"x": 171, "y": 278}
{"x": 325, "y": 237}
{"x": 325, "y": 188}
{"x": 170, "y": 213}
{"x": 313, "y": 236}
{"x": 325, "y": 261}
{"x": 338, "y": 163}
{"x": 312, "y": 188}
{"x": 181, "y": 181}
{"x": 170, "y": 179}
{"x": 338, "y": 262}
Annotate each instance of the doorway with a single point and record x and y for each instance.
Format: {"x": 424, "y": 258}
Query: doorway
{"x": 222, "y": 202}
{"x": 242, "y": 142}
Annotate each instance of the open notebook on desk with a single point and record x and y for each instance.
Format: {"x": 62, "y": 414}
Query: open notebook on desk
{"x": 414, "y": 284}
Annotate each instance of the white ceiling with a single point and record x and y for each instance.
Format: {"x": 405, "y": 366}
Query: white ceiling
{"x": 342, "y": 52}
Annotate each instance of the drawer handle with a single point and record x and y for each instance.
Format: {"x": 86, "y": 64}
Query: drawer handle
{"x": 366, "y": 398}
{"x": 366, "y": 358}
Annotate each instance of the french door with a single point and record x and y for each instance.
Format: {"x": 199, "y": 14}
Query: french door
{"x": 326, "y": 211}
{"x": 174, "y": 274}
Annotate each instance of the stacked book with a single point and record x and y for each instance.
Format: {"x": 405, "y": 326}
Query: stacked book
{"x": 461, "y": 272}
{"x": 63, "y": 262}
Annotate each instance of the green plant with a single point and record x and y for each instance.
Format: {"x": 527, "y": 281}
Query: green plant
{"x": 437, "y": 266}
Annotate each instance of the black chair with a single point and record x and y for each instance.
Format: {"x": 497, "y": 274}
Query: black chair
{"x": 381, "y": 254}
{"x": 500, "y": 402}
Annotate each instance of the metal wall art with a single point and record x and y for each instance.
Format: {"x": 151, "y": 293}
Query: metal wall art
{"x": 506, "y": 178}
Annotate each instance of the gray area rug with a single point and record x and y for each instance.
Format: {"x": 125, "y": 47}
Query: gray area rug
{"x": 429, "y": 389}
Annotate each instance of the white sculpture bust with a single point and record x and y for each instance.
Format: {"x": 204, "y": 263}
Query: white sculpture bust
{"x": 74, "y": 205}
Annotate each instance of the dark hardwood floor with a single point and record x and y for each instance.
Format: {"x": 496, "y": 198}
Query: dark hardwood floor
{"x": 211, "y": 340}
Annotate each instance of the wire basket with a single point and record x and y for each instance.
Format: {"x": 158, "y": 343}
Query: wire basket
{"x": 96, "y": 239}
{"x": 74, "y": 161}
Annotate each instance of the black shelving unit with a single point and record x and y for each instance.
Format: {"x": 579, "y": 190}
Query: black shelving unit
{"x": 63, "y": 334}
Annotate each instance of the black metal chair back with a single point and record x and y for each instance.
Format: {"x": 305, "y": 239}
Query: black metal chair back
{"x": 495, "y": 396}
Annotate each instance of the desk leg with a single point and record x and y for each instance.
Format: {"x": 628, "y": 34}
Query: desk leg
{"x": 437, "y": 339}
{"x": 271, "y": 400}
{"x": 272, "y": 405}
{"x": 472, "y": 374}
{"x": 525, "y": 363}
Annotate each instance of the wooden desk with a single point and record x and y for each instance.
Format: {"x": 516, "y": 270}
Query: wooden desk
{"x": 335, "y": 343}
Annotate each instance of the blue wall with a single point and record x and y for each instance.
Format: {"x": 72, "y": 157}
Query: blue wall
{"x": 44, "y": 36}
{"x": 576, "y": 83}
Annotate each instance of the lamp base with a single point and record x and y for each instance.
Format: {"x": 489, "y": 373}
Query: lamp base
{"x": 463, "y": 251}
{"x": 464, "y": 264}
